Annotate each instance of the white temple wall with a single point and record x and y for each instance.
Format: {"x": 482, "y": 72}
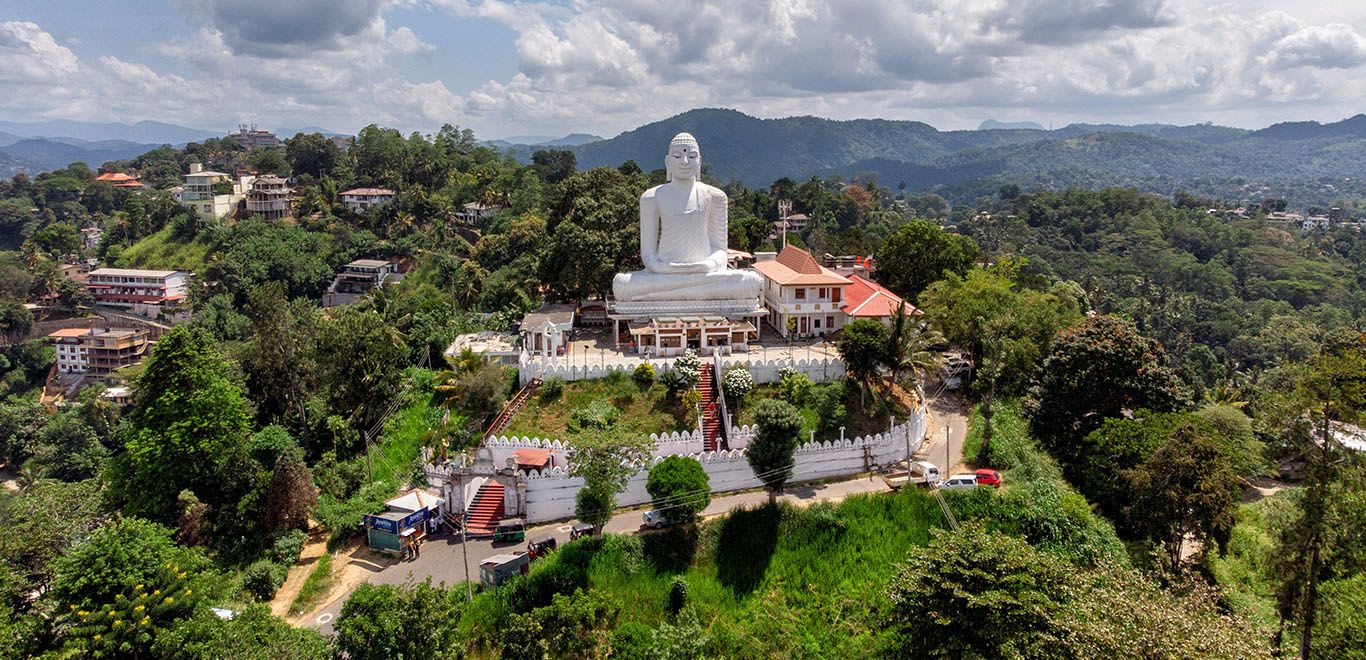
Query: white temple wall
{"x": 819, "y": 370}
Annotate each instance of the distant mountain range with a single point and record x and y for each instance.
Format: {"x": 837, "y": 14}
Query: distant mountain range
{"x": 143, "y": 132}
{"x": 521, "y": 143}
{"x": 993, "y": 125}
{"x": 1156, "y": 157}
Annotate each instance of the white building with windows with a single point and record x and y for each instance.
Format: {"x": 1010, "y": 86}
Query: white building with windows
{"x": 213, "y": 194}
{"x": 269, "y": 198}
{"x": 359, "y": 199}
{"x": 798, "y": 289}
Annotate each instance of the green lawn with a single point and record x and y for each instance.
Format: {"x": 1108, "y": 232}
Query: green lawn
{"x": 858, "y": 423}
{"x": 396, "y": 455}
{"x": 642, "y": 411}
{"x": 160, "y": 250}
{"x": 317, "y": 583}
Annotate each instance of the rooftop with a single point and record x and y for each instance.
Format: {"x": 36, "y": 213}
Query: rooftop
{"x": 556, "y": 314}
{"x": 866, "y": 298}
{"x": 796, "y": 266}
{"x": 70, "y": 332}
{"x": 488, "y": 342}
{"x": 369, "y": 192}
{"x": 368, "y": 263}
{"x": 132, "y": 272}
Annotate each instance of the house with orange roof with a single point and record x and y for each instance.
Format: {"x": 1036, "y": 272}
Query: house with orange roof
{"x": 120, "y": 180}
{"x": 803, "y": 298}
{"x": 866, "y": 299}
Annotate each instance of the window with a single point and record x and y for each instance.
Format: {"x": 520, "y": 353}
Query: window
{"x": 801, "y": 293}
{"x": 818, "y": 324}
{"x": 835, "y": 294}
{"x": 820, "y": 293}
{"x": 830, "y": 321}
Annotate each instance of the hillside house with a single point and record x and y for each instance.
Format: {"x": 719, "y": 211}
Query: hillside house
{"x": 147, "y": 293}
{"x": 359, "y": 199}
{"x": 97, "y": 351}
{"x": 213, "y": 194}
{"x": 358, "y": 277}
{"x": 270, "y": 197}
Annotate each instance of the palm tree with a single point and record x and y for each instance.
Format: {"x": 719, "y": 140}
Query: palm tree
{"x": 909, "y": 349}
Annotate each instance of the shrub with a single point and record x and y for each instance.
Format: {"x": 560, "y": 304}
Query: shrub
{"x": 794, "y": 387}
{"x": 828, "y": 400}
{"x": 644, "y": 375}
{"x": 599, "y": 414}
{"x": 263, "y": 578}
{"x": 552, "y": 389}
{"x": 738, "y": 383}
{"x": 689, "y": 365}
{"x": 678, "y": 594}
{"x": 679, "y": 486}
{"x": 343, "y": 518}
{"x": 632, "y": 641}
{"x": 674, "y": 382}
{"x": 287, "y": 546}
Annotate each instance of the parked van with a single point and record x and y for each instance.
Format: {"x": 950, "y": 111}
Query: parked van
{"x": 497, "y": 569}
{"x": 959, "y": 482}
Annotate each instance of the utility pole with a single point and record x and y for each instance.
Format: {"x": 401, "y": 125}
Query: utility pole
{"x": 464, "y": 546}
{"x": 369, "y": 469}
{"x": 947, "y": 440}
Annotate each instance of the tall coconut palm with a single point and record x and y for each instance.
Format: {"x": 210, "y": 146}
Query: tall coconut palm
{"x": 909, "y": 348}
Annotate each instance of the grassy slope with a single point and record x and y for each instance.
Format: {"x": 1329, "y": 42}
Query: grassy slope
{"x": 1242, "y": 571}
{"x": 641, "y": 412}
{"x": 160, "y": 250}
{"x": 796, "y": 583}
{"x": 395, "y": 456}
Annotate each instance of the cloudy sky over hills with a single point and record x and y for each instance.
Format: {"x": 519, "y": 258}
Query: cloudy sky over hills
{"x": 507, "y": 68}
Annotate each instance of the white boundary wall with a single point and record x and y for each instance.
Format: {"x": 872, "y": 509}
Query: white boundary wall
{"x": 819, "y": 370}
{"x": 550, "y": 495}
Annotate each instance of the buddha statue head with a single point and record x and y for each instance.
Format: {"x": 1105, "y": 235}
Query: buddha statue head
{"x": 684, "y": 160}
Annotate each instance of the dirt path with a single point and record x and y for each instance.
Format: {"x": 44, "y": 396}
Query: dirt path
{"x": 314, "y": 547}
{"x": 353, "y": 564}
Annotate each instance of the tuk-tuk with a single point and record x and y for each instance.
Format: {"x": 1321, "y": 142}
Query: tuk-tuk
{"x": 497, "y": 569}
{"x": 541, "y": 546}
{"x": 581, "y": 529}
{"x": 511, "y": 529}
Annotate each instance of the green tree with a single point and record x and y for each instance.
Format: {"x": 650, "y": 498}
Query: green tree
{"x": 977, "y": 593}
{"x": 187, "y": 430}
{"x": 408, "y": 621}
{"x": 68, "y": 448}
{"x": 679, "y": 486}
{"x": 290, "y": 494}
{"x": 919, "y": 254}
{"x": 122, "y": 556}
{"x": 270, "y": 161}
{"x": 280, "y": 358}
{"x": 360, "y": 358}
{"x": 1186, "y": 488}
{"x": 312, "y": 153}
{"x": 770, "y": 452}
{"x": 1098, "y": 370}
{"x": 31, "y": 554}
{"x": 253, "y": 634}
{"x": 554, "y": 165}
{"x": 593, "y": 232}
{"x": 863, "y": 347}
{"x": 605, "y": 459}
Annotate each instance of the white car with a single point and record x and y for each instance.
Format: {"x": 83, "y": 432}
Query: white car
{"x": 655, "y": 519}
{"x": 959, "y": 482}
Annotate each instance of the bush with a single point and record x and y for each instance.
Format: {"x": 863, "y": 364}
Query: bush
{"x": 343, "y": 518}
{"x": 644, "y": 375}
{"x": 794, "y": 387}
{"x": 738, "y": 383}
{"x": 263, "y": 578}
{"x": 828, "y": 400}
{"x": 632, "y": 641}
{"x": 679, "y": 487}
{"x": 674, "y": 382}
{"x": 551, "y": 389}
{"x": 690, "y": 366}
{"x": 678, "y": 594}
{"x": 287, "y": 547}
{"x": 599, "y": 415}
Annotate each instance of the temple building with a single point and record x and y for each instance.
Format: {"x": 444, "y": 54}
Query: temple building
{"x": 803, "y": 298}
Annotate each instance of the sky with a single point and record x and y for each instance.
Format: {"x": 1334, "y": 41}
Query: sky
{"x": 513, "y": 68}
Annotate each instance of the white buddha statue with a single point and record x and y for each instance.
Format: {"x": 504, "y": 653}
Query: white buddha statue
{"x": 683, "y": 239}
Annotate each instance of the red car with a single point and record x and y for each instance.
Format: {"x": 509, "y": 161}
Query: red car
{"x": 988, "y": 478}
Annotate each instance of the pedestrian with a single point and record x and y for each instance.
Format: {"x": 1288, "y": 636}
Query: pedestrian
{"x": 408, "y": 548}
{"x": 417, "y": 549}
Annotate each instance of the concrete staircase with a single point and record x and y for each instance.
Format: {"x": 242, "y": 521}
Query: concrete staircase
{"x": 486, "y": 510}
{"x": 711, "y": 417}
{"x": 510, "y": 410}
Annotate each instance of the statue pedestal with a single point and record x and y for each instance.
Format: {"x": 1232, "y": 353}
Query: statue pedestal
{"x": 665, "y": 328}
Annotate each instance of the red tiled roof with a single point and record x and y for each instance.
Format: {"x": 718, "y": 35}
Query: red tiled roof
{"x": 70, "y": 332}
{"x": 796, "y": 266}
{"x": 532, "y": 457}
{"x": 370, "y": 192}
{"x": 864, "y": 298}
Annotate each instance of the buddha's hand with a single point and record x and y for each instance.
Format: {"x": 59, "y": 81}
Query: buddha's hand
{"x": 704, "y": 266}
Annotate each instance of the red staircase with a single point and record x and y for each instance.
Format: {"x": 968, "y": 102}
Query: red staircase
{"x": 510, "y": 410}
{"x": 711, "y": 419}
{"x": 486, "y": 510}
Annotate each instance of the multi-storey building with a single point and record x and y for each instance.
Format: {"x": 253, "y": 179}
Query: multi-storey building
{"x": 97, "y": 351}
{"x": 359, "y": 199}
{"x": 212, "y": 194}
{"x": 253, "y": 138}
{"x": 800, "y": 290}
{"x": 269, "y": 197}
{"x": 358, "y": 277}
{"x": 144, "y": 292}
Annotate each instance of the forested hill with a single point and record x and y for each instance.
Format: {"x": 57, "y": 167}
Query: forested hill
{"x": 1295, "y": 159}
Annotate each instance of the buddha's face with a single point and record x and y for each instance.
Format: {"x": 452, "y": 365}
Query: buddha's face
{"x": 683, "y": 162}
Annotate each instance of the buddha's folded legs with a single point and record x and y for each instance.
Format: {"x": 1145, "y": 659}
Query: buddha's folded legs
{"x": 643, "y": 286}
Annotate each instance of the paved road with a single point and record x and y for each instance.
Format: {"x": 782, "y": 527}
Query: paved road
{"x": 945, "y": 409}
{"x": 442, "y": 557}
